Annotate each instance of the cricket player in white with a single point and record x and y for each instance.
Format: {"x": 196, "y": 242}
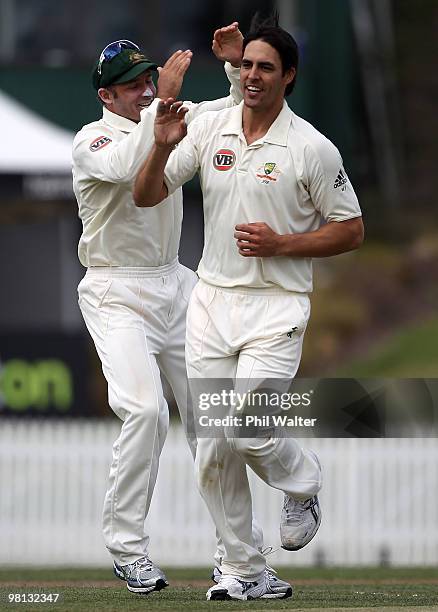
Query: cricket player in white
{"x": 268, "y": 179}
{"x": 134, "y": 295}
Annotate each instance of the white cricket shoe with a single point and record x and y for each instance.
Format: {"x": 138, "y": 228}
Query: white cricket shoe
{"x": 233, "y": 587}
{"x": 275, "y": 587}
{"x": 142, "y": 577}
{"x": 300, "y": 520}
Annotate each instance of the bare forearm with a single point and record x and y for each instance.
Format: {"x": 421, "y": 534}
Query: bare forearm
{"x": 330, "y": 239}
{"x": 149, "y": 188}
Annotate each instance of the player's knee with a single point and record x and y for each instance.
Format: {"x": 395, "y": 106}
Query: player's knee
{"x": 251, "y": 447}
{"x": 116, "y": 405}
{"x": 144, "y": 412}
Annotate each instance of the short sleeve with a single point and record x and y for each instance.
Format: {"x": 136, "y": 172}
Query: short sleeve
{"x": 102, "y": 158}
{"x": 328, "y": 184}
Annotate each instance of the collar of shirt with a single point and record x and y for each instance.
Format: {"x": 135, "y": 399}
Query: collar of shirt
{"x": 277, "y": 133}
{"x": 122, "y": 123}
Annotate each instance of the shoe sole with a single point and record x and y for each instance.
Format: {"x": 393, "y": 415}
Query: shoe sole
{"x": 284, "y": 595}
{"x": 308, "y": 541}
{"x": 223, "y": 595}
{"x": 158, "y": 586}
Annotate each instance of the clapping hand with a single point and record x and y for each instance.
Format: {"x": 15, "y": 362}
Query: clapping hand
{"x": 170, "y": 126}
{"x": 171, "y": 75}
{"x": 227, "y": 44}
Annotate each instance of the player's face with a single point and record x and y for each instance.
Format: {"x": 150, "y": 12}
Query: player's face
{"x": 261, "y": 76}
{"x": 128, "y": 99}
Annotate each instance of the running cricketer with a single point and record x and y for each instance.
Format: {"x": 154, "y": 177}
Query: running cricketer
{"x": 134, "y": 295}
{"x": 268, "y": 179}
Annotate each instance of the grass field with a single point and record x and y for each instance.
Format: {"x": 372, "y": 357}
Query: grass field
{"x": 314, "y": 589}
{"x": 408, "y": 353}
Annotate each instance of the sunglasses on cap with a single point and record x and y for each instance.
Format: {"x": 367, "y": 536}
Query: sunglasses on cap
{"x": 114, "y": 49}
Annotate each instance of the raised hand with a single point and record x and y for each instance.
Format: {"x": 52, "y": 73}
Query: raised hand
{"x": 227, "y": 44}
{"x": 171, "y": 75}
{"x": 170, "y": 126}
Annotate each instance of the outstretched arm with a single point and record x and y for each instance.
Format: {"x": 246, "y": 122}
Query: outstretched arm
{"x": 169, "y": 129}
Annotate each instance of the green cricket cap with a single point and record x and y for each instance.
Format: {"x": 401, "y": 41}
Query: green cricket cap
{"x": 121, "y": 68}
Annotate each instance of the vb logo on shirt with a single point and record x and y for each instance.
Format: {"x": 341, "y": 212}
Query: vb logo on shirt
{"x": 224, "y": 159}
{"x": 99, "y": 143}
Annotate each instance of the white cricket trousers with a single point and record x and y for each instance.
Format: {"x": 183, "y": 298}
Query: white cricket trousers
{"x": 136, "y": 317}
{"x": 241, "y": 334}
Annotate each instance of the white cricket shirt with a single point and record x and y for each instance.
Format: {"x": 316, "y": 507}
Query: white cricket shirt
{"x": 107, "y": 156}
{"x": 291, "y": 179}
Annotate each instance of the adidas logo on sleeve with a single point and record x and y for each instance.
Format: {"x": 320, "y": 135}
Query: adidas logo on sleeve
{"x": 341, "y": 179}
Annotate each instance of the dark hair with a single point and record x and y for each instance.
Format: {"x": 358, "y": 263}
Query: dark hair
{"x": 270, "y": 32}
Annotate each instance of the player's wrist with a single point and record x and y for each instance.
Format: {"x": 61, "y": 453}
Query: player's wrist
{"x": 233, "y": 61}
{"x": 285, "y": 244}
{"x": 164, "y": 146}
{"x": 167, "y": 92}
{"x": 169, "y": 88}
